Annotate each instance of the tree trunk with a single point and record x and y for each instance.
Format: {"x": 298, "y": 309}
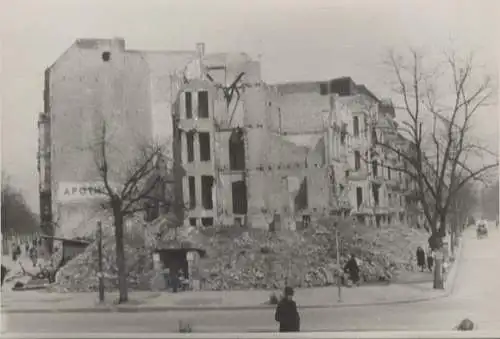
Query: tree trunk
{"x": 438, "y": 273}
{"x": 120, "y": 257}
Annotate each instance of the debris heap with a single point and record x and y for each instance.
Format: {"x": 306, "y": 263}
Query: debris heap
{"x": 239, "y": 258}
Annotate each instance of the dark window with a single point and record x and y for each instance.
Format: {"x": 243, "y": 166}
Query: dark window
{"x": 301, "y": 199}
{"x": 237, "y": 151}
{"x": 355, "y": 126}
{"x": 357, "y": 160}
{"x": 389, "y": 197}
{"x": 374, "y": 136}
{"x": 389, "y": 173}
{"x": 306, "y": 221}
{"x": 206, "y": 191}
{"x": 203, "y": 104}
{"x": 376, "y": 194}
{"x": 190, "y": 146}
{"x": 359, "y": 196}
{"x": 240, "y": 204}
{"x": 207, "y": 221}
{"x": 189, "y": 105}
{"x": 204, "y": 138}
{"x": 192, "y": 193}
{"x": 343, "y": 133}
{"x": 192, "y": 221}
{"x": 375, "y": 168}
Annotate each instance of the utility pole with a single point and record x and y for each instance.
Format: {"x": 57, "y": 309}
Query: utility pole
{"x": 339, "y": 280}
{"x": 99, "y": 254}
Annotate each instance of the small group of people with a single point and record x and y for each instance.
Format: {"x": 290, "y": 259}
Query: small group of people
{"x": 425, "y": 260}
{"x": 30, "y": 250}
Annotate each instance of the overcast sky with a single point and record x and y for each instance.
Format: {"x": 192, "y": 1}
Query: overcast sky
{"x": 295, "y": 39}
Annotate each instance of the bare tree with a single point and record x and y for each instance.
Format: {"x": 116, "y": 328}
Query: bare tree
{"x": 434, "y": 138}
{"x": 140, "y": 188}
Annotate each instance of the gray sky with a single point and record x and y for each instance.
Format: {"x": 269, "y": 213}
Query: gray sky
{"x": 296, "y": 40}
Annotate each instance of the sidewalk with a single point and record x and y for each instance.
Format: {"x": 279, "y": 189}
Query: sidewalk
{"x": 41, "y": 301}
{"x": 324, "y": 297}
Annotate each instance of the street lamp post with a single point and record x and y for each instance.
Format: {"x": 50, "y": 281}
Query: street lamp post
{"x": 99, "y": 254}
{"x": 339, "y": 278}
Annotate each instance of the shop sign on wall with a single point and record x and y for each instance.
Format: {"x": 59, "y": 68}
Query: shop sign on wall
{"x": 77, "y": 192}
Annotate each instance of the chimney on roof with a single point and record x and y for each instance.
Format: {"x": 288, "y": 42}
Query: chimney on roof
{"x": 200, "y": 49}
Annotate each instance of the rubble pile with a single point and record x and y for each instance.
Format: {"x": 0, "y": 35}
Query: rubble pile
{"x": 81, "y": 273}
{"x": 239, "y": 258}
{"x": 256, "y": 259}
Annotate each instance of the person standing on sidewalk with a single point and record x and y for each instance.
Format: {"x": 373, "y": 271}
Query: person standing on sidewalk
{"x": 4, "y": 273}
{"x": 430, "y": 259}
{"x": 352, "y": 268}
{"x": 421, "y": 258}
{"x": 286, "y": 312}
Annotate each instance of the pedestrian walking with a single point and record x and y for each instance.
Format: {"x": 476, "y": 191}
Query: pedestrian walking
{"x": 352, "y": 269}
{"x": 33, "y": 256}
{"x": 430, "y": 259}
{"x": 4, "y": 273}
{"x": 286, "y": 313}
{"x": 421, "y": 258}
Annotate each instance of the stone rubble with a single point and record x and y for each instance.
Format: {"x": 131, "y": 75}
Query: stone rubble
{"x": 239, "y": 258}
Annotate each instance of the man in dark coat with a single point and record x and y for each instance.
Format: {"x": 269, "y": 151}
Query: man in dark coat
{"x": 421, "y": 258}
{"x": 351, "y": 267}
{"x": 4, "y": 273}
{"x": 287, "y": 314}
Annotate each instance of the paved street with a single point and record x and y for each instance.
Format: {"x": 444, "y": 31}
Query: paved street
{"x": 474, "y": 296}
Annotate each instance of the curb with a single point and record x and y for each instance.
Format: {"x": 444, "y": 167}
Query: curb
{"x": 151, "y": 309}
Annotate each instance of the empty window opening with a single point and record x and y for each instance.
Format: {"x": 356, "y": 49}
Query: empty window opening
{"x": 389, "y": 219}
{"x": 377, "y": 220}
{"x": 204, "y": 138}
{"x": 376, "y": 191}
{"x": 389, "y": 197}
{"x": 237, "y": 151}
{"x": 343, "y": 133}
{"x": 375, "y": 168}
{"x": 239, "y": 191}
{"x": 207, "y": 222}
{"x": 207, "y": 183}
{"x": 301, "y": 199}
{"x": 190, "y": 146}
{"x": 192, "y": 193}
{"x": 355, "y": 126}
{"x": 306, "y": 221}
{"x": 189, "y": 105}
{"x": 192, "y": 221}
{"x": 389, "y": 173}
{"x": 374, "y": 136}
{"x": 275, "y": 223}
{"x": 359, "y": 196}
{"x": 203, "y": 104}
{"x": 357, "y": 160}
